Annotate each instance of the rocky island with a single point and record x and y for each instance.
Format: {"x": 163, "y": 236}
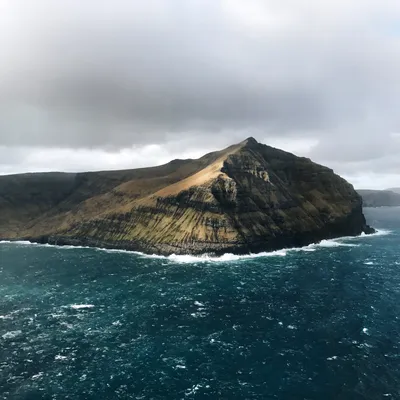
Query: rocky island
{"x": 249, "y": 197}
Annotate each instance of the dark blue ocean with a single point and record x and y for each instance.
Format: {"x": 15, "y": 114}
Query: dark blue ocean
{"x": 316, "y": 323}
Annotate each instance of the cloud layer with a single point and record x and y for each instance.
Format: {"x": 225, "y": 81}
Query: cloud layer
{"x": 118, "y": 76}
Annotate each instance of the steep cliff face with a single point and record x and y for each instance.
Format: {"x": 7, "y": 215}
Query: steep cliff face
{"x": 247, "y": 198}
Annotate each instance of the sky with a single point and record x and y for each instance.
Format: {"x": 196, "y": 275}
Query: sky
{"x": 110, "y": 84}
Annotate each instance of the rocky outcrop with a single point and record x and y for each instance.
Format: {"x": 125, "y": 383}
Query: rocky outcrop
{"x": 247, "y": 198}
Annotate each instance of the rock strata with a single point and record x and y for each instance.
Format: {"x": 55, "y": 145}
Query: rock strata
{"x": 247, "y": 198}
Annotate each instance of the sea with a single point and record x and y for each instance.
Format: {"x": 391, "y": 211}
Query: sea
{"x": 320, "y": 322}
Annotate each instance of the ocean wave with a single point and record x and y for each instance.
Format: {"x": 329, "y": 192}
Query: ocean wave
{"x": 227, "y": 257}
{"x": 81, "y": 306}
{"x": 12, "y": 334}
{"x": 28, "y": 243}
{"x": 379, "y": 232}
{"x": 15, "y": 242}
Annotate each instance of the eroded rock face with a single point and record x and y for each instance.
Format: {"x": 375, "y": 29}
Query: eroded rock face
{"x": 247, "y": 198}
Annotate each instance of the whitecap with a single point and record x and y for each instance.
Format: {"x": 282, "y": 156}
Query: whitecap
{"x": 11, "y": 334}
{"x": 28, "y": 243}
{"x": 193, "y": 390}
{"x": 24, "y": 242}
{"x": 81, "y": 306}
{"x": 68, "y": 326}
{"x": 334, "y": 243}
{"x": 199, "y": 314}
{"x": 379, "y": 232}
{"x": 37, "y": 376}
{"x": 227, "y": 257}
{"x": 117, "y": 251}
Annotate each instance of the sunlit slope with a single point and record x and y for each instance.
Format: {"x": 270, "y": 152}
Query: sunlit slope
{"x": 248, "y": 197}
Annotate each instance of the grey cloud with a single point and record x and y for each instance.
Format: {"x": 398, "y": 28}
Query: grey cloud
{"x": 114, "y": 74}
{"x": 356, "y": 148}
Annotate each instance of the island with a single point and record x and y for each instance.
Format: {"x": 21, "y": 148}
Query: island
{"x": 380, "y": 198}
{"x": 247, "y": 198}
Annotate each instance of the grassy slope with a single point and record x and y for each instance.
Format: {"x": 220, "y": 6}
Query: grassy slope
{"x": 239, "y": 197}
{"x": 40, "y": 203}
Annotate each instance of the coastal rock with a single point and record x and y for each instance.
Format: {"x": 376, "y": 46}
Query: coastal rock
{"x": 247, "y": 198}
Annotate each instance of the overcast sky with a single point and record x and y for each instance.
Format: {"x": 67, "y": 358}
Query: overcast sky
{"x": 101, "y": 84}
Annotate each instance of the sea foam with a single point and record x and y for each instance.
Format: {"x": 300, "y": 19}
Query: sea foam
{"x": 11, "y": 334}
{"x": 81, "y": 306}
{"x": 227, "y": 257}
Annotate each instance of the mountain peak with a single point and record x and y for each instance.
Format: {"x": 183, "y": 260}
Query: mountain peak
{"x": 246, "y": 198}
{"x": 250, "y": 141}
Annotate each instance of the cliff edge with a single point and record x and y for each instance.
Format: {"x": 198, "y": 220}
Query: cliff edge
{"x": 247, "y": 198}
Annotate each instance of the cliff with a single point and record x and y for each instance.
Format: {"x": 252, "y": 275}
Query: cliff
{"x": 380, "y": 198}
{"x": 247, "y": 198}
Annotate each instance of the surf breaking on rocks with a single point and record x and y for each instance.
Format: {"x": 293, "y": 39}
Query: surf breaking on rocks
{"x": 227, "y": 257}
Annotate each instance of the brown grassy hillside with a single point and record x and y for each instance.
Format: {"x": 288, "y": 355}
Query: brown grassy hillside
{"x": 248, "y": 197}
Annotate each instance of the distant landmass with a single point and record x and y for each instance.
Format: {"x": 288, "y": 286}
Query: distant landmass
{"x": 380, "y": 198}
{"x": 396, "y": 190}
{"x": 247, "y": 198}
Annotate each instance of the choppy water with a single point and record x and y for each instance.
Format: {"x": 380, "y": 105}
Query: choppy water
{"x": 317, "y": 323}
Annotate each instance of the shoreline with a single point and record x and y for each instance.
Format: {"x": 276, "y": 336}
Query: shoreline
{"x": 226, "y": 257}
